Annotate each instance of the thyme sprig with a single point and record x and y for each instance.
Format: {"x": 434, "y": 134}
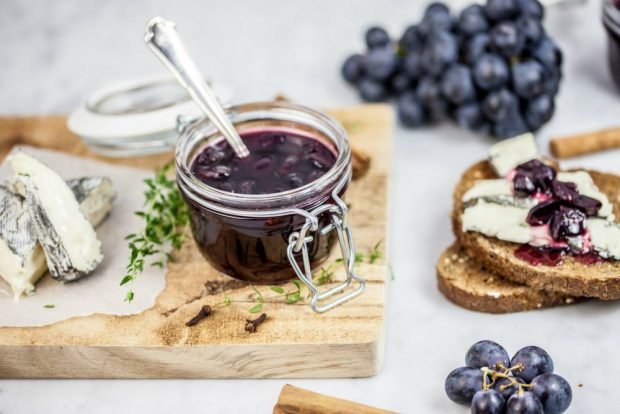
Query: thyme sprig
{"x": 371, "y": 257}
{"x": 165, "y": 218}
{"x": 290, "y": 296}
{"x": 326, "y": 275}
{"x": 375, "y": 253}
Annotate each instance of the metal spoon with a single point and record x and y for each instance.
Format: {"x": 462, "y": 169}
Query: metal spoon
{"x": 162, "y": 38}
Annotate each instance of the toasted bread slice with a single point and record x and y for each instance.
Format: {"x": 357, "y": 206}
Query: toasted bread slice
{"x": 571, "y": 278}
{"x": 466, "y": 283}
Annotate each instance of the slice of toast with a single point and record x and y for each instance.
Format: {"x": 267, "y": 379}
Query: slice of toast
{"x": 468, "y": 284}
{"x": 572, "y": 278}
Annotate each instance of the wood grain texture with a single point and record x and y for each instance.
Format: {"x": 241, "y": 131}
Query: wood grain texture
{"x": 293, "y": 342}
{"x": 295, "y": 400}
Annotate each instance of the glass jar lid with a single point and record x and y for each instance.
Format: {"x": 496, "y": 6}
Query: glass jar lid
{"x": 135, "y": 117}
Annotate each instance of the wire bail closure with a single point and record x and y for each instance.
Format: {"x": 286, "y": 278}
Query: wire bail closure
{"x": 299, "y": 241}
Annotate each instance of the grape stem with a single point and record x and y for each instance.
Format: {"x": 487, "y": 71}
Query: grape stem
{"x": 485, "y": 374}
{"x": 502, "y": 372}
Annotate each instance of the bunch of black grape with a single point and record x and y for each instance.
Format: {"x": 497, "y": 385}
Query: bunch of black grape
{"x": 495, "y": 384}
{"x": 492, "y": 69}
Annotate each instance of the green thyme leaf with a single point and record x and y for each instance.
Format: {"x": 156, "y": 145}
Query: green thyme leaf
{"x": 359, "y": 257}
{"x": 278, "y": 289}
{"x": 49, "y": 306}
{"x": 325, "y": 276}
{"x": 256, "y": 308}
{"x": 293, "y": 297}
{"x": 375, "y": 253}
{"x": 126, "y": 279}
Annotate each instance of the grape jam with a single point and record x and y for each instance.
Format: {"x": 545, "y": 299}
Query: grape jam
{"x": 537, "y": 256}
{"x": 279, "y": 160}
{"x": 544, "y": 256}
{"x": 254, "y": 249}
{"x": 563, "y": 210}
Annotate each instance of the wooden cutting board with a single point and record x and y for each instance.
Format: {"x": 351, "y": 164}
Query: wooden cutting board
{"x": 294, "y": 342}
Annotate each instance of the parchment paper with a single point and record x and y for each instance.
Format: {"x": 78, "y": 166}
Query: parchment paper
{"x": 98, "y": 292}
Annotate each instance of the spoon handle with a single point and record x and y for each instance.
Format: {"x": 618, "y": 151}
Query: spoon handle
{"x": 162, "y": 38}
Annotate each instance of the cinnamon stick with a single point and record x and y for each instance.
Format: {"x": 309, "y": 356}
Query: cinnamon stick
{"x": 586, "y": 143}
{"x": 295, "y": 400}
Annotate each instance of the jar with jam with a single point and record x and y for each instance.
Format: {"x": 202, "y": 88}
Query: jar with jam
{"x": 276, "y": 214}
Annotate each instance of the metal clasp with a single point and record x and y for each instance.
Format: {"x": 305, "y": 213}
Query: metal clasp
{"x": 298, "y": 241}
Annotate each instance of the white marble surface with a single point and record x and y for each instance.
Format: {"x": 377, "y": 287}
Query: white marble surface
{"x": 53, "y": 53}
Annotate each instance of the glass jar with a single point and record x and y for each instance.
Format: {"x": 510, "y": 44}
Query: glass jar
{"x": 611, "y": 21}
{"x": 271, "y": 238}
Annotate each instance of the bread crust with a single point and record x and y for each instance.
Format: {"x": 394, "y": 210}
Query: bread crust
{"x": 571, "y": 278}
{"x": 466, "y": 283}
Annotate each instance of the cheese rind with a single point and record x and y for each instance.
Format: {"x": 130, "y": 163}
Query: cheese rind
{"x": 69, "y": 241}
{"x": 22, "y": 262}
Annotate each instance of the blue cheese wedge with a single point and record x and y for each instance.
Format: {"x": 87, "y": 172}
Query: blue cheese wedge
{"x": 488, "y": 188}
{"x": 22, "y": 260}
{"x": 605, "y": 237}
{"x": 508, "y": 154}
{"x": 502, "y": 221}
{"x": 69, "y": 241}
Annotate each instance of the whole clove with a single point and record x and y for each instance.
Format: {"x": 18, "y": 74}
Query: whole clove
{"x": 203, "y": 313}
{"x": 251, "y": 325}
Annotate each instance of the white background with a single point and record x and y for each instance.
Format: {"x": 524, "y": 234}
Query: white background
{"x": 53, "y": 53}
